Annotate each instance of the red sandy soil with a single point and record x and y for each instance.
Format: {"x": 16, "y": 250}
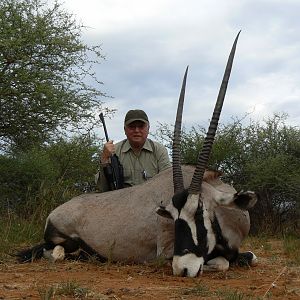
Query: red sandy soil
{"x": 275, "y": 277}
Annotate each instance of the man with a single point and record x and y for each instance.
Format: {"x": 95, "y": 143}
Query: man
{"x": 141, "y": 157}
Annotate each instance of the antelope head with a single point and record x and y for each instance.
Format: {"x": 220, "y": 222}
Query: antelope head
{"x": 194, "y": 239}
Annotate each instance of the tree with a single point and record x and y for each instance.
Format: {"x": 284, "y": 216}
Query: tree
{"x": 46, "y": 79}
{"x": 36, "y": 181}
{"x": 270, "y": 165}
{"x": 264, "y": 157}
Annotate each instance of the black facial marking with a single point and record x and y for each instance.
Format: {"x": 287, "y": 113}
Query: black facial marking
{"x": 201, "y": 232}
{"x": 179, "y": 200}
{"x": 184, "y": 242}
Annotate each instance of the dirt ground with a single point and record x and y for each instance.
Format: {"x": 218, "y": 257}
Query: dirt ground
{"x": 274, "y": 278}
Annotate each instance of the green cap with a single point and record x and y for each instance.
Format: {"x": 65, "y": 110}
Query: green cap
{"x": 136, "y": 115}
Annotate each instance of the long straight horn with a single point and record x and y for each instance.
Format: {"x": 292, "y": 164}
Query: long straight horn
{"x": 195, "y": 186}
{"x": 177, "y": 172}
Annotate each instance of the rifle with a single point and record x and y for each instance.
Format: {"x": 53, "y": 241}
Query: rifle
{"x": 114, "y": 171}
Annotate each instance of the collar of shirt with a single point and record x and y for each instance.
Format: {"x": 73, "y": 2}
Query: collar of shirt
{"x": 147, "y": 146}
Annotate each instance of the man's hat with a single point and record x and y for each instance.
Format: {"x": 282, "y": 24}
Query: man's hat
{"x": 136, "y": 115}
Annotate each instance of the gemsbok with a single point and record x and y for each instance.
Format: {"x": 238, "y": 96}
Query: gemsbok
{"x": 206, "y": 222}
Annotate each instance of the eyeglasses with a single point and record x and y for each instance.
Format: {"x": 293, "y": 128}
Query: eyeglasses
{"x": 134, "y": 126}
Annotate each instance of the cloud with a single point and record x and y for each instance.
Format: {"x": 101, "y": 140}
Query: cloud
{"x": 148, "y": 45}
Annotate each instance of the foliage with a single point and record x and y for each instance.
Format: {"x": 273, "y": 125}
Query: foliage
{"x": 291, "y": 245}
{"x": 16, "y": 231}
{"x": 264, "y": 157}
{"x": 46, "y": 80}
{"x": 34, "y": 182}
{"x": 199, "y": 290}
{"x": 70, "y": 288}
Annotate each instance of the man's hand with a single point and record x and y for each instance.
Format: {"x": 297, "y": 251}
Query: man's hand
{"x": 108, "y": 150}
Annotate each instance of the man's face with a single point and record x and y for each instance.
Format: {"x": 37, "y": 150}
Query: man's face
{"x": 137, "y": 133}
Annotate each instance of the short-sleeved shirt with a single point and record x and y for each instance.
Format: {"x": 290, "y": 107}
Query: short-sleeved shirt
{"x": 152, "y": 159}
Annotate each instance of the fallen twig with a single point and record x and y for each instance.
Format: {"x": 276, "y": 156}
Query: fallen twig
{"x": 273, "y": 283}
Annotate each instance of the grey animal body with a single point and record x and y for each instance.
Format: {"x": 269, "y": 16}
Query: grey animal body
{"x": 123, "y": 225}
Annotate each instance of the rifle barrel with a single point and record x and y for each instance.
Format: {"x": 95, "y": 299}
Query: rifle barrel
{"x": 104, "y": 126}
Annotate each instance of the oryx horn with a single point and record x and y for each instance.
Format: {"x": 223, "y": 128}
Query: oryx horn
{"x": 195, "y": 186}
{"x": 177, "y": 172}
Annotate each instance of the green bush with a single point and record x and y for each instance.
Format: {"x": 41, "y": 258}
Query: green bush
{"x": 34, "y": 182}
{"x": 264, "y": 157}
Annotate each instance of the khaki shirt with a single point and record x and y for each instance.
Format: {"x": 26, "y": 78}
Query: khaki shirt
{"x": 152, "y": 159}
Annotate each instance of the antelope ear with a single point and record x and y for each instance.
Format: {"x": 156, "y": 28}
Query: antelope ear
{"x": 245, "y": 200}
{"x": 161, "y": 210}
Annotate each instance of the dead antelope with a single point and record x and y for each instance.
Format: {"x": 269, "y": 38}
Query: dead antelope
{"x": 210, "y": 217}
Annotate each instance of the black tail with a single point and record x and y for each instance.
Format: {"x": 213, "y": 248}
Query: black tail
{"x": 31, "y": 254}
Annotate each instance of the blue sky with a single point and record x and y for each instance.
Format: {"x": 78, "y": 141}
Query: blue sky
{"x": 148, "y": 45}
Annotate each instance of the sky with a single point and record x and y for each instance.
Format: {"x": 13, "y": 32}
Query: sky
{"x": 148, "y": 44}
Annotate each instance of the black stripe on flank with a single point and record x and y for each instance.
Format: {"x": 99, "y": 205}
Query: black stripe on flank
{"x": 72, "y": 244}
{"x": 86, "y": 252}
{"x": 69, "y": 244}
